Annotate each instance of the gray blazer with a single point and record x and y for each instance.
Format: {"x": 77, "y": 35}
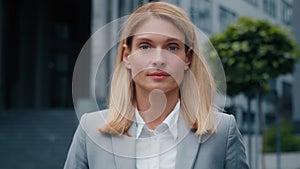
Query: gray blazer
{"x": 223, "y": 149}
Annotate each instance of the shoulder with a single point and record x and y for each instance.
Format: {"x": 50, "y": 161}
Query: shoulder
{"x": 223, "y": 120}
{"x": 91, "y": 122}
{"x": 93, "y": 118}
{"x": 88, "y": 143}
{"x": 223, "y": 126}
{"x": 225, "y": 123}
{"x": 228, "y": 128}
{"x": 100, "y": 113}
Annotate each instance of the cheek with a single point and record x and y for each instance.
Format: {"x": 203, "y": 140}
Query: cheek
{"x": 177, "y": 71}
{"x": 137, "y": 66}
{"x": 180, "y": 74}
{"x": 177, "y": 64}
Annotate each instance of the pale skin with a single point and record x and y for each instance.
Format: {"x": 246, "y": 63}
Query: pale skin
{"x": 157, "y": 60}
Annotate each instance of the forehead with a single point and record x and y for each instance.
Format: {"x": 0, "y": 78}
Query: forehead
{"x": 158, "y": 26}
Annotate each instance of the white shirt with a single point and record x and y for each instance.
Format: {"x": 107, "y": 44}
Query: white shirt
{"x": 157, "y": 149}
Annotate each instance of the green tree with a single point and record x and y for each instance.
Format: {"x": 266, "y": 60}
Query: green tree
{"x": 253, "y": 52}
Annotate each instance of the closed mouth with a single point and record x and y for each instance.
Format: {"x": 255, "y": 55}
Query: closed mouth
{"x": 158, "y": 74}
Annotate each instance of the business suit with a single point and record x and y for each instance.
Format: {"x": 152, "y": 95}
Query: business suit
{"x": 93, "y": 150}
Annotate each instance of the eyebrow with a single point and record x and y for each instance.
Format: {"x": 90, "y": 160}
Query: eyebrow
{"x": 146, "y": 39}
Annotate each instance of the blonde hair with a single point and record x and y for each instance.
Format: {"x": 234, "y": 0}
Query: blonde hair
{"x": 197, "y": 90}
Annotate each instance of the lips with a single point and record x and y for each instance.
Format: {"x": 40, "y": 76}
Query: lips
{"x": 158, "y": 76}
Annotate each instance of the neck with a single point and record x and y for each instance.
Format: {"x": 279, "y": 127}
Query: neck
{"x": 155, "y": 106}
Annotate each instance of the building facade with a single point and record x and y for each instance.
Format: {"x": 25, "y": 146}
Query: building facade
{"x": 39, "y": 44}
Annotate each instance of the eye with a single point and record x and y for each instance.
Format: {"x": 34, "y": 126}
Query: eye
{"x": 144, "y": 47}
{"x": 173, "y": 48}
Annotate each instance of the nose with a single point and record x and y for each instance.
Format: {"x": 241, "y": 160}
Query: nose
{"x": 158, "y": 59}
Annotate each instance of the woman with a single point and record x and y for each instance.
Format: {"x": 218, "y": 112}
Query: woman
{"x": 161, "y": 107}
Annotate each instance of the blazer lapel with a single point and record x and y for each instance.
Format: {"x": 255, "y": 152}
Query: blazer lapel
{"x": 124, "y": 150}
{"x": 188, "y": 146}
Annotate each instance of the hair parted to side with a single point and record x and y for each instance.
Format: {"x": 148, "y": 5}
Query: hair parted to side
{"x": 197, "y": 90}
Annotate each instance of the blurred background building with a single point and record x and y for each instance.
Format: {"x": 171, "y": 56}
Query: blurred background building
{"x": 41, "y": 40}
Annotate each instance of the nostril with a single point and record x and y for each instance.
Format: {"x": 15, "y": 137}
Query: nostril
{"x": 158, "y": 63}
{"x": 158, "y": 59}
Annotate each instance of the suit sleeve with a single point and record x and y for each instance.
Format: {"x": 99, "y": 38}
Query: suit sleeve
{"x": 77, "y": 155}
{"x": 235, "y": 152}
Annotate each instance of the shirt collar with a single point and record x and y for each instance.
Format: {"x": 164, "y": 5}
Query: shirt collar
{"x": 170, "y": 121}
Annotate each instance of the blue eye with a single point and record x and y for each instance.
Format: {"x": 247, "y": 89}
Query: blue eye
{"x": 173, "y": 48}
{"x": 144, "y": 47}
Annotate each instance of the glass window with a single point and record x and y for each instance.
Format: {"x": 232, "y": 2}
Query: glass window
{"x": 286, "y": 89}
{"x": 286, "y": 98}
{"x": 175, "y": 2}
{"x": 201, "y": 14}
{"x": 252, "y": 2}
{"x": 269, "y": 7}
{"x": 226, "y": 17}
{"x": 286, "y": 12}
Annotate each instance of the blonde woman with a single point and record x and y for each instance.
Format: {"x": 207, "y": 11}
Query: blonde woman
{"x": 161, "y": 108}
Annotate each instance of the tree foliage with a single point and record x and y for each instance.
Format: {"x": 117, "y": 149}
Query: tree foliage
{"x": 253, "y": 52}
{"x": 289, "y": 141}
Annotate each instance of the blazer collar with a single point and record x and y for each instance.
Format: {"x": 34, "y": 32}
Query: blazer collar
{"x": 188, "y": 145}
{"x": 124, "y": 147}
{"x": 124, "y": 150}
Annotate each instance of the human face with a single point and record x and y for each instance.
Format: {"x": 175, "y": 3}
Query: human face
{"x": 157, "y": 57}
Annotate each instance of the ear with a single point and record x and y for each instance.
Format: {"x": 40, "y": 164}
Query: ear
{"x": 125, "y": 55}
{"x": 188, "y": 58}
